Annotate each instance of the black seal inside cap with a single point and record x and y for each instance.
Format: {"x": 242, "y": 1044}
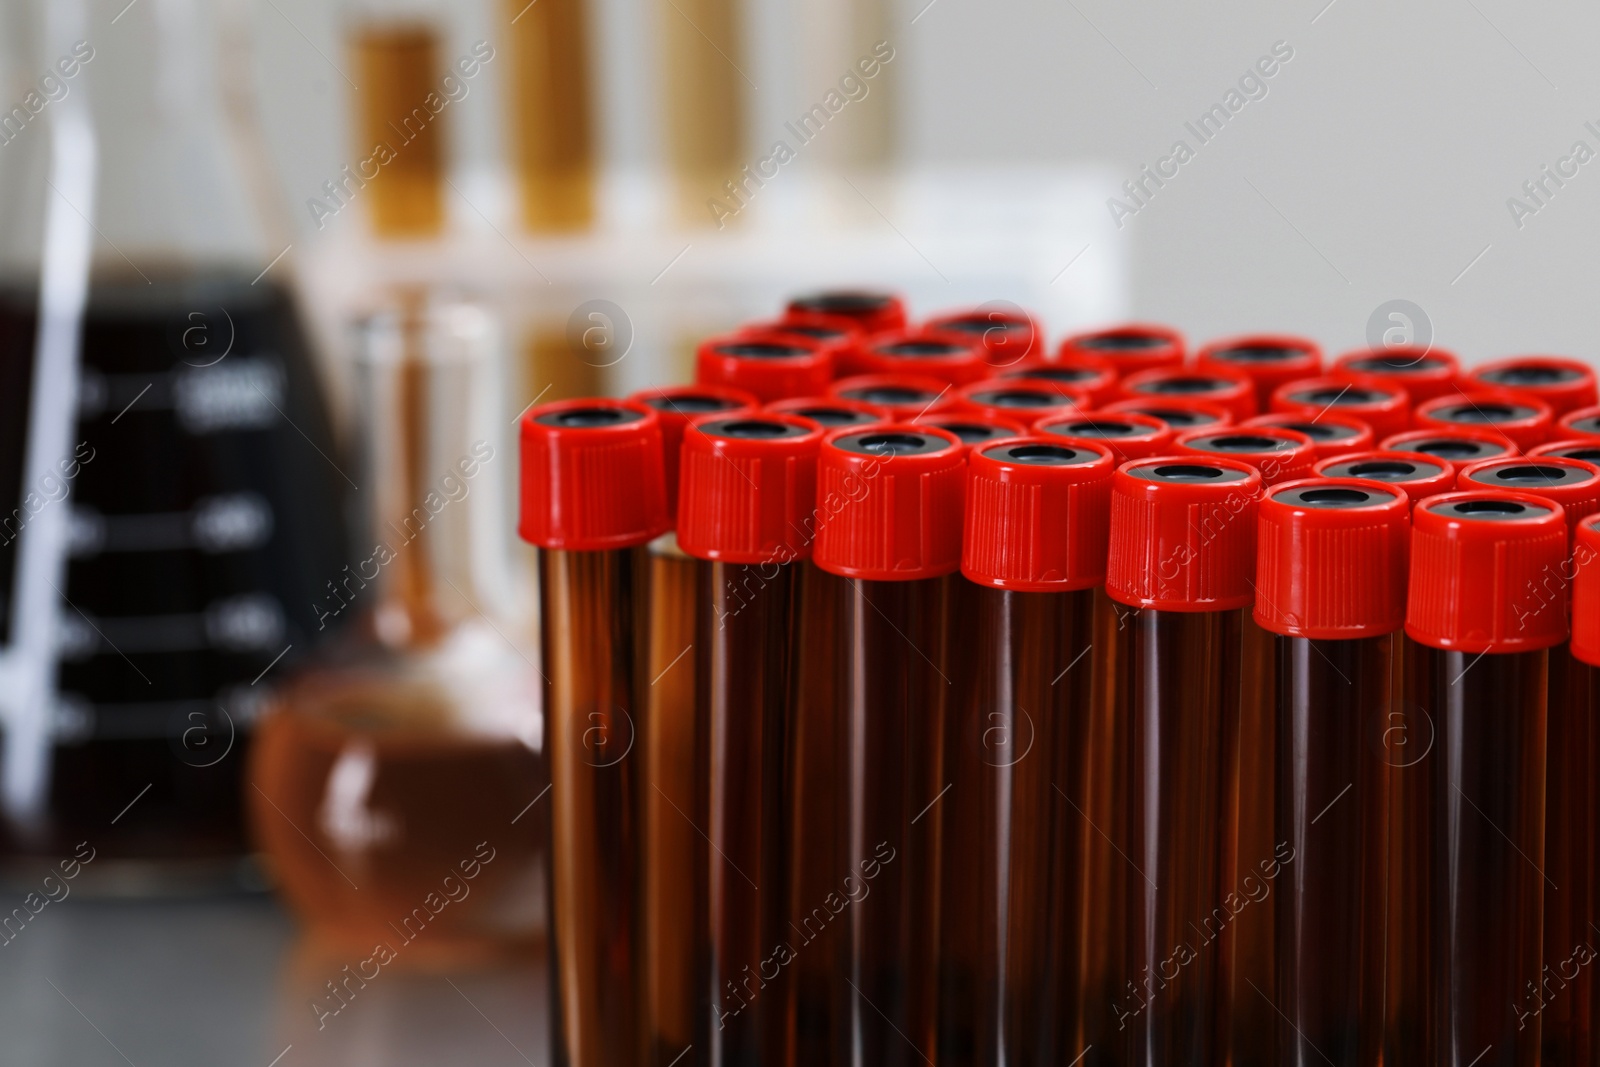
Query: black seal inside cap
{"x": 1121, "y": 341}
{"x": 890, "y": 394}
{"x": 1333, "y": 496}
{"x": 1341, "y": 395}
{"x": 762, "y": 350}
{"x": 1482, "y": 414}
{"x": 1179, "y": 418}
{"x": 1530, "y": 374}
{"x": 1188, "y": 385}
{"x": 1021, "y": 398}
{"x": 1262, "y": 353}
{"x": 1517, "y": 473}
{"x": 1096, "y": 428}
{"x": 1587, "y": 424}
{"x": 979, "y": 324}
{"x": 891, "y": 443}
{"x": 1052, "y": 374}
{"x": 921, "y": 348}
{"x": 1321, "y": 431}
{"x": 1384, "y": 470}
{"x": 1176, "y": 471}
{"x": 851, "y": 302}
{"x": 1452, "y": 448}
{"x": 1490, "y": 510}
{"x": 753, "y": 429}
{"x": 1040, "y": 455}
{"x": 589, "y": 418}
{"x": 1396, "y": 364}
{"x": 1241, "y": 442}
{"x": 690, "y": 403}
{"x": 835, "y": 416}
{"x": 1587, "y": 453}
{"x": 807, "y": 329}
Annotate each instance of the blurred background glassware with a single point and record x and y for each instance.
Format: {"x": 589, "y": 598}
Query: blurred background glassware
{"x": 412, "y": 750}
{"x": 206, "y": 502}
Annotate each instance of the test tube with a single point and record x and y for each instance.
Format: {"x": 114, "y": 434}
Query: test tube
{"x": 748, "y": 483}
{"x": 890, "y": 505}
{"x": 1484, "y": 607}
{"x": 1226, "y": 388}
{"x": 1457, "y": 446}
{"x": 1380, "y": 404}
{"x": 1565, "y": 384}
{"x": 873, "y": 311}
{"x": 1280, "y": 455}
{"x": 768, "y": 365}
{"x": 1129, "y": 436}
{"x": 592, "y": 498}
{"x": 1331, "y": 435}
{"x": 1034, "y": 550}
{"x": 679, "y": 405}
{"x": 553, "y": 114}
{"x": 899, "y": 396}
{"x": 1331, "y": 588}
{"x": 1423, "y": 372}
{"x": 1268, "y": 360}
{"x": 398, "y": 61}
{"x": 1573, "y": 1039}
{"x": 956, "y": 358}
{"x": 1523, "y": 418}
{"x": 1183, "y": 538}
{"x": 1130, "y": 348}
{"x": 1416, "y": 473}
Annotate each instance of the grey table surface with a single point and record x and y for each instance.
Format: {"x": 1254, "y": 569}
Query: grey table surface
{"x": 230, "y": 981}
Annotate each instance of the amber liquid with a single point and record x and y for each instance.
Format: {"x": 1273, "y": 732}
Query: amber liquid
{"x": 1007, "y": 983}
{"x": 746, "y": 635}
{"x": 595, "y": 606}
{"x": 1180, "y": 692}
{"x": 367, "y": 796}
{"x": 672, "y": 740}
{"x": 1571, "y": 795}
{"x": 704, "y": 94}
{"x": 398, "y": 68}
{"x": 1409, "y": 743}
{"x": 553, "y": 134}
{"x": 1332, "y": 697}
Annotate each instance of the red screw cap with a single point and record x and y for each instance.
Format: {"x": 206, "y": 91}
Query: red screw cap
{"x": 872, "y": 311}
{"x": 901, "y": 397}
{"x": 1579, "y": 424}
{"x": 1419, "y": 475}
{"x": 1130, "y": 348}
{"x": 1038, "y": 515}
{"x": 1127, "y": 435}
{"x": 1267, "y": 359}
{"x": 829, "y": 412}
{"x": 1331, "y": 559}
{"x": 1588, "y": 451}
{"x": 1565, "y": 384}
{"x": 1423, "y": 373}
{"x": 1183, "y": 533}
{"x": 889, "y": 502}
{"x": 1331, "y": 435}
{"x": 1525, "y": 419}
{"x": 950, "y": 357}
{"x": 1092, "y": 377}
{"x": 749, "y": 485}
{"x": 1280, "y": 455}
{"x": 1381, "y": 405}
{"x": 1179, "y": 412}
{"x": 972, "y": 428}
{"x": 1486, "y": 573}
{"x": 1586, "y": 593}
{"x": 1572, "y": 483}
{"x": 1008, "y": 335}
{"x": 843, "y": 334}
{"x": 1023, "y": 398}
{"x": 1230, "y": 389}
{"x": 678, "y": 406}
{"x": 1458, "y": 446}
{"x": 767, "y": 365}
{"x": 592, "y": 475}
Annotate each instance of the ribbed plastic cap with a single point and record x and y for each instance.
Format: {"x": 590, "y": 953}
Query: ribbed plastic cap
{"x": 592, "y": 475}
{"x": 1038, "y": 515}
{"x": 1129, "y": 348}
{"x": 1565, "y": 384}
{"x": 1028, "y": 399}
{"x": 1486, "y": 573}
{"x": 1588, "y": 451}
{"x": 956, "y": 358}
{"x": 889, "y": 502}
{"x": 1572, "y": 483}
{"x": 829, "y": 412}
{"x": 1458, "y": 445}
{"x": 1423, "y": 373}
{"x": 1382, "y": 405}
{"x": 1179, "y": 412}
{"x": 844, "y": 335}
{"x": 1525, "y": 419}
{"x": 1419, "y": 475}
{"x": 972, "y": 428}
{"x": 1280, "y": 455}
{"x": 1127, "y": 435}
{"x": 1090, "y": 375}
{"x": 1579, "y": 424}
{"x": 1331, "y": 435}
{"x": 678, "y": 406}
{"x": 1267, "y": 359}
{"x": 749, "y": 485}
{"x": 1229, "y": 389}
{"x": 1008, "y": 335}
{"x": 873, "y": 311}
{"x": 1331, "y": 559}
{"x": 766, "y": 364}
{"x": 1183, "y": 533}
{"x": 900, "y": 397}
{"x": 1586, "y": 593}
